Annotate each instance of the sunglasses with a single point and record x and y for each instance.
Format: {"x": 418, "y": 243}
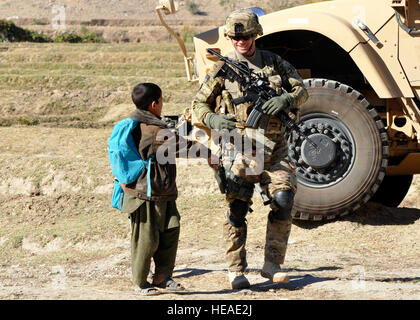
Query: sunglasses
{"x": 237, "y": 38}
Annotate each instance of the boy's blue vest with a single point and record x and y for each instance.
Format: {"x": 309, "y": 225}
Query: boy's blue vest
{"x": 126, "y": 163}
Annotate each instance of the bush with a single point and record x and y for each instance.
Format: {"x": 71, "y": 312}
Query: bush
{"x": 91, "y": 37}
{"x": 68, "y": 37}
{"x": 86, "y": 36}
{"x": 10, "y": 32}
{"x": 39, "y": 37}
{"x": 39, "y": 22}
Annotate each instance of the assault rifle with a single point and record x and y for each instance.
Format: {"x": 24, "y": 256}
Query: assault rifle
{"x": 257, "y": 90}
{"x": 174, "y": 123}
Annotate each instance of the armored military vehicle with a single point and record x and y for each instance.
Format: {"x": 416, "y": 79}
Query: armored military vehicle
{"x": 360, "y": 60}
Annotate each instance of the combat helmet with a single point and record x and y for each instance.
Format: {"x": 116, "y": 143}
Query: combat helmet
{"x": 242, "y": 22}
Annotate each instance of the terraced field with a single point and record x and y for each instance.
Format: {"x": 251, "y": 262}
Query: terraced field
{"x": 81, "y": 85}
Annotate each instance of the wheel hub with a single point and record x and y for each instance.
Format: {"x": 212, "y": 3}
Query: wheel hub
{"x": 321, "y": 156}
{"x": 333, "y": 157}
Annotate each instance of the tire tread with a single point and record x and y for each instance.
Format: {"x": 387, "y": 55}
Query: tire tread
{"x": 355, "y": 205}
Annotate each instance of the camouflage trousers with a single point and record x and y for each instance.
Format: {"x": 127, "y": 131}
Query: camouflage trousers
{"x": 278, "y": 174}
{"x": 277, "y": 235}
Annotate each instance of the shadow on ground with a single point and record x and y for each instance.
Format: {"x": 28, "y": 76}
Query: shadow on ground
{"x": 191, "y": 272}
{"x": 373, "y": 214}
{"x": 296, "y": 282}
{"x": 414, "y": 280}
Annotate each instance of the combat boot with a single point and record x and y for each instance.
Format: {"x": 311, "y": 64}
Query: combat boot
{"x": 238, "y": 280}
{"x": 273, "y": 272}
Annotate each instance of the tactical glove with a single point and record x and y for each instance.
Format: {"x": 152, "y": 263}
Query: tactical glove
{"x": 276, "y": 104}
{"x": 219, "y": 122}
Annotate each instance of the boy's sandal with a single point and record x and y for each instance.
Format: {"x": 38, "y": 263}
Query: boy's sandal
{"x": 170, "y": 284}
{"x": 147, "y": 290}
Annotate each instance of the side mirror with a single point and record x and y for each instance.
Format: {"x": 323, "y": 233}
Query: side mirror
{"x": 169, "y": 6}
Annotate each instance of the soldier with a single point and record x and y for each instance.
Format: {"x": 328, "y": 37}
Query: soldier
{"x": 213, "y": 108}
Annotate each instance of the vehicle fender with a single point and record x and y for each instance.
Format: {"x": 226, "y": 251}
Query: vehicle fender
{"x": 378, "y": 64}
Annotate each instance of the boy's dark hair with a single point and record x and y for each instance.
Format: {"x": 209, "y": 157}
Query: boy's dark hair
{"x": 144, "y": 94}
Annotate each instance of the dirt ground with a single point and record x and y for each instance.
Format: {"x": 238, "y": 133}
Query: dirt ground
{"x": 372, "y": 254}
{"x": 342, "y": 260}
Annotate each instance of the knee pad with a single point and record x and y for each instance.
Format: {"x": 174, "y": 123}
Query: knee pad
{"x": 283, "y": 203}
{"x": 237, "y": 213}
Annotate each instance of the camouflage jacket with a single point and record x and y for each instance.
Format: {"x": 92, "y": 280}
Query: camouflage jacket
{"x": 216, "y": 93}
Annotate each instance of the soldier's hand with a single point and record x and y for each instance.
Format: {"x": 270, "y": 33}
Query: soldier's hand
{"x": 219, "y": 122}
{"x": 276, "y": 104}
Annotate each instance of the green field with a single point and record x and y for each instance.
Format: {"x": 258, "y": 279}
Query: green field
{"x": 86, "y": 85}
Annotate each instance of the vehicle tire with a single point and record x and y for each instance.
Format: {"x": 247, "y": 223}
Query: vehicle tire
{"x": 393, "y": 190}
{"x": 348, "y": 165}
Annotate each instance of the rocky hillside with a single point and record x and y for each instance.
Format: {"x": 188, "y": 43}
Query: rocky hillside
{"x": 125, "y": 20}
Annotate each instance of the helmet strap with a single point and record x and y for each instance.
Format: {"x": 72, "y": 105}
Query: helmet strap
{"x": 251, "y": 47}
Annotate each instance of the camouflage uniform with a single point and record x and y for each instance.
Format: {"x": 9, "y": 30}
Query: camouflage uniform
{"x": 215, "y": 96}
